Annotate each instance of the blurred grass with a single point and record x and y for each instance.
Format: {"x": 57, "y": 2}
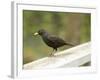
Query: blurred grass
{"x": 74, "y": 28}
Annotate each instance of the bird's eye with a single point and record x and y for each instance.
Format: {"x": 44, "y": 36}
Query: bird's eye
{"x": 41, "y": 32}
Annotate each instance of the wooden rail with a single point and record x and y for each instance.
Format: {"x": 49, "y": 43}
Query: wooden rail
{"x": 72, "y": 57}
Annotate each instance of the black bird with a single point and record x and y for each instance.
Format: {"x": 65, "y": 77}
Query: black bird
{"x": 51, "y": 40}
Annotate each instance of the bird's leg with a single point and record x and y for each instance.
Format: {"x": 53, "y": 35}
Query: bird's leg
{"x": 52, "y": 54}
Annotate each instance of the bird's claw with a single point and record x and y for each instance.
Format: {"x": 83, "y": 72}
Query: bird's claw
{"x": 51, "y": 55}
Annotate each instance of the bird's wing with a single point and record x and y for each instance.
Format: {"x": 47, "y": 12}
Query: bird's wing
{"x": 55, "y": 39}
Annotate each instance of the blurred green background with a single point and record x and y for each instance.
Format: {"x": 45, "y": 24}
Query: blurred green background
{"x": 72, "y": 27}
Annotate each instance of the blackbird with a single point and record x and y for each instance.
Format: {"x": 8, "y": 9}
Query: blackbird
{"x": 51, "y": 40}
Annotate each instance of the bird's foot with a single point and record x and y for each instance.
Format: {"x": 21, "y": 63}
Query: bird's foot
{"x": 51, "y": 55}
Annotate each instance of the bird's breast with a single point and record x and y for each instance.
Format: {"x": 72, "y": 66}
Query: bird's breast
{"x": 48, "y": 41}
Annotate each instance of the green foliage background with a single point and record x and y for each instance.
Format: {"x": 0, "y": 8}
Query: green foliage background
{"x": 72, "y": 27}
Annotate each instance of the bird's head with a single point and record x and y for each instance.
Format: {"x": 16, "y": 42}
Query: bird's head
{"x": 40, "y": 32}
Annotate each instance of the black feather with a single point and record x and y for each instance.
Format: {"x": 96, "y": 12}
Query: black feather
{"x": 51, "y": 40}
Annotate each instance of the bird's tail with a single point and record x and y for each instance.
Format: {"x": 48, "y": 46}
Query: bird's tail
{"x": 70, "y": 44}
